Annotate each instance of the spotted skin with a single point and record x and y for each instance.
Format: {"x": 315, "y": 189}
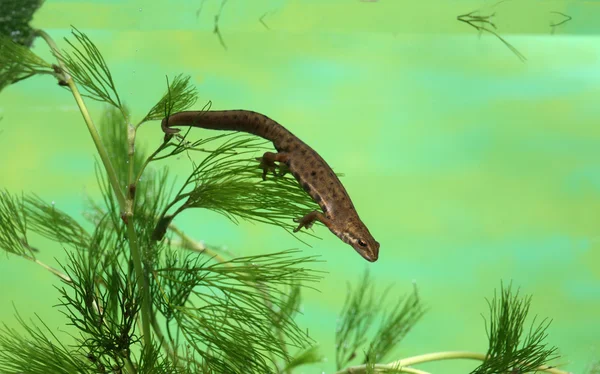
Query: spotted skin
{"x": 310, "y": 170}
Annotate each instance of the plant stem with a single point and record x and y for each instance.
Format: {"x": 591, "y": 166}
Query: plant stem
{"x": 125, "y": 205}
{"x": 146, "y": 314}
{"x": 437, "y": 356}
{"x": 59, "y": 274}
{"x": 112, "y": 175}
{"x": 191, "y": 244}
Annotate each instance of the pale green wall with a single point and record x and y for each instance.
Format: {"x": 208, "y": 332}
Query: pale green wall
{"x": 469, "y": 166}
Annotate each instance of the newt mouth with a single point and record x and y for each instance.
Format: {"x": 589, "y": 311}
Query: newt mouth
{"x": 369, "y": 256}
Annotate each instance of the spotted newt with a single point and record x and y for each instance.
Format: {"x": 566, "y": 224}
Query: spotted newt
{"x": 310, "y": 170}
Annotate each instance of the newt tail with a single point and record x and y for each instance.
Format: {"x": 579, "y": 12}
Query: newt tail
{"x": 312, "y": 172}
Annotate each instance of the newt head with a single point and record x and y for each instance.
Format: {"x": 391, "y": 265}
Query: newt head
{"x": 359, "y": 237}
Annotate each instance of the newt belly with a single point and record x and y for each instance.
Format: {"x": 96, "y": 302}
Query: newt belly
{"x": 310, "y": 170}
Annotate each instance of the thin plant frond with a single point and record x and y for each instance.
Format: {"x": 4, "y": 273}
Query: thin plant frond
{"x": 18, "y": 62}
{"x": 200, "y": 8}
{"x": 358, "y": 319}
{"x": 152, "y": 360}
{"x": 38, "y": 351}
{"x": 594, "y": 368}
{"x": 357, "y": 316}
{"x": 484, "y": 23}
{"x": 87, "y": 67}
{"x": 512, "y": 346}
{"x": 47, "y": 220}
{"x": 180, "y": 96}
{"x": 565, "y": 18}
{"x": 229, "y": 182}
{"x": 225, "y": 318}
{"x": 113, "y": 128}
{"x": 305, "y": 357}
{"x": 102, "y": 301}
{"x": 13, "y": 225}
{"x": 216, "y": 29}
{"x": 395, "y": 325}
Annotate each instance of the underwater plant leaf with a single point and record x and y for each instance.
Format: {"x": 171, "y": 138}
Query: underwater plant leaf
{"x": 113, "y": 128}
{"x": 180, "y": 96}
{"x": 512, "y": 348}
{"x": 47, "y": 220}
{"x": 229, "y": 182}
{"x": 101, "y": 300}
{"x": 565, "y": 18}
{"x": 396, "y": 325}
{"x": 18, "y": 63}
{"x": 484, "y": 23}
{"x": 357, "y": 316}
{"x": 290, "y": 305}
{"x": 87, "y": 67}
{"x": 216, "y": 29}
{"x": 177, "y": 281}
{"x": 152, "y": 360}
{"x": 306, "y": 357}
{"x": 150, "y": 191}
{"x": 15, "y": 16}
{"x": 594, "y": 368}
{"x": 38, "y": 351}
{"x": 13, "y": 226}
{"x": 228, "y": 324}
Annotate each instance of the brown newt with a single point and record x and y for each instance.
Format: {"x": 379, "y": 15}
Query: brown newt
{"x": 310, "y": 170}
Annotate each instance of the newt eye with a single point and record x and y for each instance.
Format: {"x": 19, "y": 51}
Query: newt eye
{"x": 362, "y": 243}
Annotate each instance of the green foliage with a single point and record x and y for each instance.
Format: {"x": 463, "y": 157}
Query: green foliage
{"x": 87, "y": 67}
{"x": 483, "y": 23}
{"x": 19, "y": 215}
{"x": 395, "y": 325}
{"x": 101, "y": 301}
{"x": 18, "y": 63}
{"x": 229, "y": 182}
{"x": 511, "y": 347}
{"x": 50, "y": 222}
{"x": 15, "y": 16}
{"x": 361, "y": 313}
{"x": 595, "y": 368}
{"x": 306, "y": 357}
{"x": 13, "y": 225}
{"x": 113, "y": 128}
{"x": 37, "y": 351}
{"x": 229, "y": 325}
{"x": 180, "y": 96}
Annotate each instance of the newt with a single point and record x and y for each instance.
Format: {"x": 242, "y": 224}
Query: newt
{"x": 312, "y": 172}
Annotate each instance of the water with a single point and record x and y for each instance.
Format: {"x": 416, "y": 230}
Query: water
{"x": 468, "y": 165}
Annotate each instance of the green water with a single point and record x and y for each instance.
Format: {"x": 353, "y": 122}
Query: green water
{"x": 469, "y": 166}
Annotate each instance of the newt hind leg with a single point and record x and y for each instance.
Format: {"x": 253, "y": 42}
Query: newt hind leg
{"x": 267, "y": 163}
{"x": 308, "y": 220}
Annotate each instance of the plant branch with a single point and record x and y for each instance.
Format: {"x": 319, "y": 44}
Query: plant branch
{"x": 437, "y": 356}
{"x": 146, "y": 314}
{"x": 112, "y": 175}
{"x": 191, "y": 244}
{"x": 124, "y": 204}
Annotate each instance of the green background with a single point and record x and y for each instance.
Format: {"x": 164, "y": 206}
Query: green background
{"x": 469, "y": 166}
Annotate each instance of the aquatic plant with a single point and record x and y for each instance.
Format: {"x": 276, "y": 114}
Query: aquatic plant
{"x": 136, "y": 303}
{"x": 485, "y": 23}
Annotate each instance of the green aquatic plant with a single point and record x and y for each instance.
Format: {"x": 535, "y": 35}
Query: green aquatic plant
{"x": 511, "y": 347}
{"x": 484, "y": 23}
{"x": 217, "y": 17}
{"x": 565, "y": 18}
{"x": 141, "y": 296}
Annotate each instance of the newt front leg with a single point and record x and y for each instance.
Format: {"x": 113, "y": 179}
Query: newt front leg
{"x": 267, "y": 163}
{"x": 308, "y": 220}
